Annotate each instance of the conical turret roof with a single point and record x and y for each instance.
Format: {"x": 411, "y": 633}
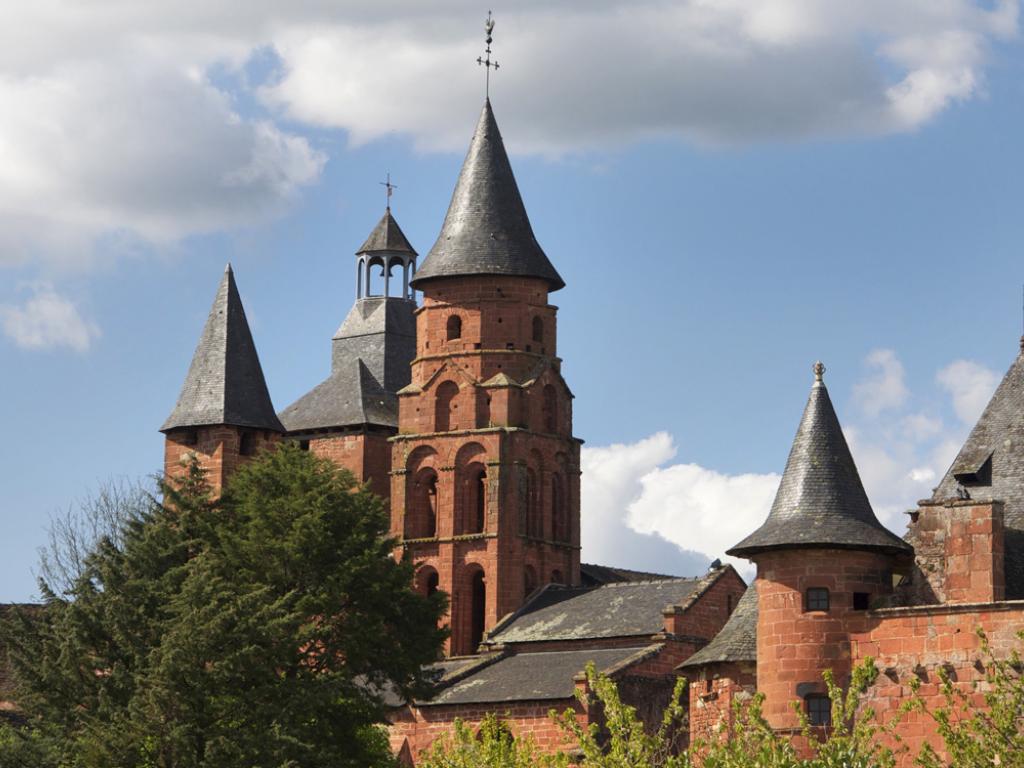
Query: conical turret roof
{"x": 225, "y": 383}
{"x": 821, "y": 501}
{"x": 486, "y": 230}
{"x": 387, "y": 236}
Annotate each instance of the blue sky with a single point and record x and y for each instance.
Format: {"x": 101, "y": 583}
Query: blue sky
{"x": 850, "y": 191}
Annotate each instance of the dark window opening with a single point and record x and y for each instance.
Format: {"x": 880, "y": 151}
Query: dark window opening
{"x": 454, "y": 327}
{"x": 191, "y": 437}
{"x": 480, "y": 501}
{"x": 509, "y": 345}
{"x": 559, "y": 521}
{"x": 246, "y": 444}
{"x": 479, "y": 607}
{"x": 728, "y": 603}
{"x": 303, "y": 445}
{"x": 819, "y": 709}
{"x": 817, "y": 599}
{"x": 550, "y": 409}
{"x": 556, "y": 577}
{"x": 445, "y": 405}
{"x": 538, "y": 329}
{"x": 433, "y": 580}
{"x": 861, "y": 601}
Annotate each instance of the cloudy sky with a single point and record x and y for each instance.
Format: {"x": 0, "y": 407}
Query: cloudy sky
{"x": 731, "y": 188}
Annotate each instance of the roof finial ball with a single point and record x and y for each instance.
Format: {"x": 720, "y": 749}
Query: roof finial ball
{"x": 819, "y": 372}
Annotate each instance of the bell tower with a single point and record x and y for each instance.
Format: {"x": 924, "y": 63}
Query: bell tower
{"x": 485, "y": 469}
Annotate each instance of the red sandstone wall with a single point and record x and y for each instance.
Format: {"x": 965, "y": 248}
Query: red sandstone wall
{"x": 707, "y": 614}
{"x": 795, "y": 646}
{"x": 914, "y": 642}
{"x": 365, "y": 455}
{"x": 420, "y": 726}
{"x": 711, "y": 695}
{"x": 217, "y": 448}
{"x": 959, "y": 547}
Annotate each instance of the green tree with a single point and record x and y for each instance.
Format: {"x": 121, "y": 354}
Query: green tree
{"x": 265, "y": 628}
{"x": 492, "y": 746}
{"x": 974, "y": 736}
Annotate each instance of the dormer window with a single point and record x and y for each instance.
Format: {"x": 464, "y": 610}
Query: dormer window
{"x": 817, "y": 599}
{"x": 973, "y": 468}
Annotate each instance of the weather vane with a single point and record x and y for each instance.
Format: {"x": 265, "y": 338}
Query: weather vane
{"x": 389, "y": 190}
{"x": 489, "y": 28}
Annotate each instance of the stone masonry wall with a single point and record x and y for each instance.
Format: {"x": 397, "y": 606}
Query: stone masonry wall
{"x": 909, "y": 643}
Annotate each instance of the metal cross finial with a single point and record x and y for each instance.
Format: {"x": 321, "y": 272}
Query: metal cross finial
{"x": 489, "y": 28}
{"x": 819, "y": 372}
{"x": 390, "y": 190}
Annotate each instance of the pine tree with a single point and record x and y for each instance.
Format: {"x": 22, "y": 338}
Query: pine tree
{"x": 262, "y": 629}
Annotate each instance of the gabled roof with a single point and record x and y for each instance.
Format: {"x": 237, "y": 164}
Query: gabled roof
{"x": 821, "y": 501}
{"x": 543, "y": 676}
{"x": 349, "y": 397}
{"x": 370, "y": 363}
{"x": 387, "y": 236}
{"x": 592, "y": 575}
{"x": 997, "y": 440}
{"x": 624, "y": 609}
{"x": 225, "y": 383}
{"x": 486, "y": 230}
{"x": 737, "y": 640}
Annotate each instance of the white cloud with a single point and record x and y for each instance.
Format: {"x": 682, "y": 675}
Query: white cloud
{"x": 636, "y": 490}
{"x": 638, "y": 513}
{"x": 885, "y": 388}
{"x": 45, "y": 320}
{"x": 128, "y": 118}
{"x": 970, "y": 385}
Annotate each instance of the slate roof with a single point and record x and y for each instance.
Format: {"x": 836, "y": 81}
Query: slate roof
{"x": 821, "y": 501}
{"x": 736, "y": 640}
{"x": 592, "y": 575}
{"x": 613, "y": 610}
{"x": 371, "y": 354}
{"x": 998, "y": 441}
{"x": 225, "y": 383}
{"x": 540, "y": 676}
{"x": 387, "y": 236}
{"x": 486, "y": 230}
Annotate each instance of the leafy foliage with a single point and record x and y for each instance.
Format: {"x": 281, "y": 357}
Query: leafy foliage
{"x": 974, "y": 736}
{"x": 493, "y": 746}
{"x": 260, "y": 629}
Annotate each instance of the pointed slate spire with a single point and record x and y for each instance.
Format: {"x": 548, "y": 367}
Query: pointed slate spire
{"x": 387, "y": 236}
{"x": 225, "y": 382}
{"x": 821, "y": 501}
{"x": 486, "y": 230}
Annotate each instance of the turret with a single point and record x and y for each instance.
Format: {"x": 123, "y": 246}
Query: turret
{"x": 822, "y": 559}
{"x": 224, "y": 414}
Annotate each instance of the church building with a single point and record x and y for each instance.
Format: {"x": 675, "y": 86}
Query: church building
{"x": 446, "y": 396}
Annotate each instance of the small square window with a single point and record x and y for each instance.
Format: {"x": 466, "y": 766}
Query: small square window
{"x": 861, "y": 601}
{"x": 303, "y": 445}
{"x": 817, "y": 599}
{"x": 819, "y": 709}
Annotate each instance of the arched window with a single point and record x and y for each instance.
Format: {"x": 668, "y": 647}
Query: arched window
{"x": 556, "y": 577}
{"x": 444, "y": 406}
{"x": 538, "y": 329}
{"x": 478, "y": 610}
{"x": 427, "y": 580}
{"x": 550, "y": 409}
{"x": 534, "y": 519}
{"x": 559, "y": 521}
{"x": 421, "y": 510}
{"x": 479, "y": 507}
{"x": 529, "y": 581}
{"x": 454, "y": 327}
